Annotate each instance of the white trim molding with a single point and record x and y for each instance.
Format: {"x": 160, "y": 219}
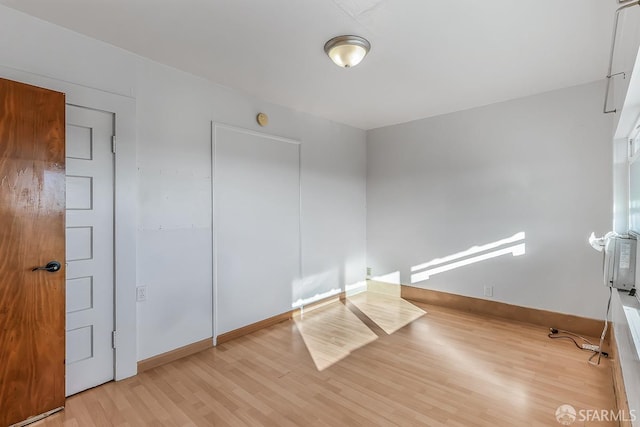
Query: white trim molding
{"x": 125, "y": 204}
{"x": 214, "y": 127}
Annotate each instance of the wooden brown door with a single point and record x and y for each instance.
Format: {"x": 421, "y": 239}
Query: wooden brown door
{"x": 32, "y": 233}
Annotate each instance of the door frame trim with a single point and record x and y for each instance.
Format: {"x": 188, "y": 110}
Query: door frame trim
{"x": 125, "y": 204}
{"x": 214, "y": 240}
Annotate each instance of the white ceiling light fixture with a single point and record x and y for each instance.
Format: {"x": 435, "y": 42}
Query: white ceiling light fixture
{"x": 347, "y": 51}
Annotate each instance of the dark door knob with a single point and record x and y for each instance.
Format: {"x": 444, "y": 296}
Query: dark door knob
{"x": 51, "y": 267}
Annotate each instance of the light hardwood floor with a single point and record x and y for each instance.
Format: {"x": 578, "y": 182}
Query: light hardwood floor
{"x": 444, "y": 368}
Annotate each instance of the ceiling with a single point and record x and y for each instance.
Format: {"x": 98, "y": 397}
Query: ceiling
{"x": 428, "y": 57}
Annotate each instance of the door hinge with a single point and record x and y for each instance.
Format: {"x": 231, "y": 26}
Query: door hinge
{"x": 113, "y": 144}
{"x": 113, "y": 339}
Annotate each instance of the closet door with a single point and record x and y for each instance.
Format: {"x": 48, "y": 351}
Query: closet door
{"x": 256, "y": 225}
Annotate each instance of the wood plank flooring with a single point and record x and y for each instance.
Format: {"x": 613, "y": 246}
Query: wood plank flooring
{"x": 332, "y": 333}
{"x": 389, "y": 312}
{"x": 444, "y": 368}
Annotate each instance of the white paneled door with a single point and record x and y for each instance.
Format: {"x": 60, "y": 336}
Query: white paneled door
{"x": 89, "y": 242}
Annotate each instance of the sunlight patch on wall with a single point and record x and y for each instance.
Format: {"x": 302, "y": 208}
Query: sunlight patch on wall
{"x": 356, "y": 288}
{"x": 389, "y": 278}
{"x": 351, "y": 289}
{"x": 460, "y": 259}
{"x": 301, "y": 302}
{"x": 313, "y": 287}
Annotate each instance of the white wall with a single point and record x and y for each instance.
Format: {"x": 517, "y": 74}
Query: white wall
{"x": 540, "y": 165}
{"x": 174, "y": 114}
{"x": 624, "y": 61}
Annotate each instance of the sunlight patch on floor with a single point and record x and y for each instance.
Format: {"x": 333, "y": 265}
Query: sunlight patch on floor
{"x": 389, "y": 312}
{"x": 331, "y": 333}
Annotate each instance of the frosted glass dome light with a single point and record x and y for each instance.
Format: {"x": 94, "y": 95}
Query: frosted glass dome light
{"x": 347, "y": 51}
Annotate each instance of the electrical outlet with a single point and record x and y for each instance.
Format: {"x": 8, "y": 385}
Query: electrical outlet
{"x": 488, "y": 291}
{"x": 141, "y": 293}
{"x": 368, "y": 271}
